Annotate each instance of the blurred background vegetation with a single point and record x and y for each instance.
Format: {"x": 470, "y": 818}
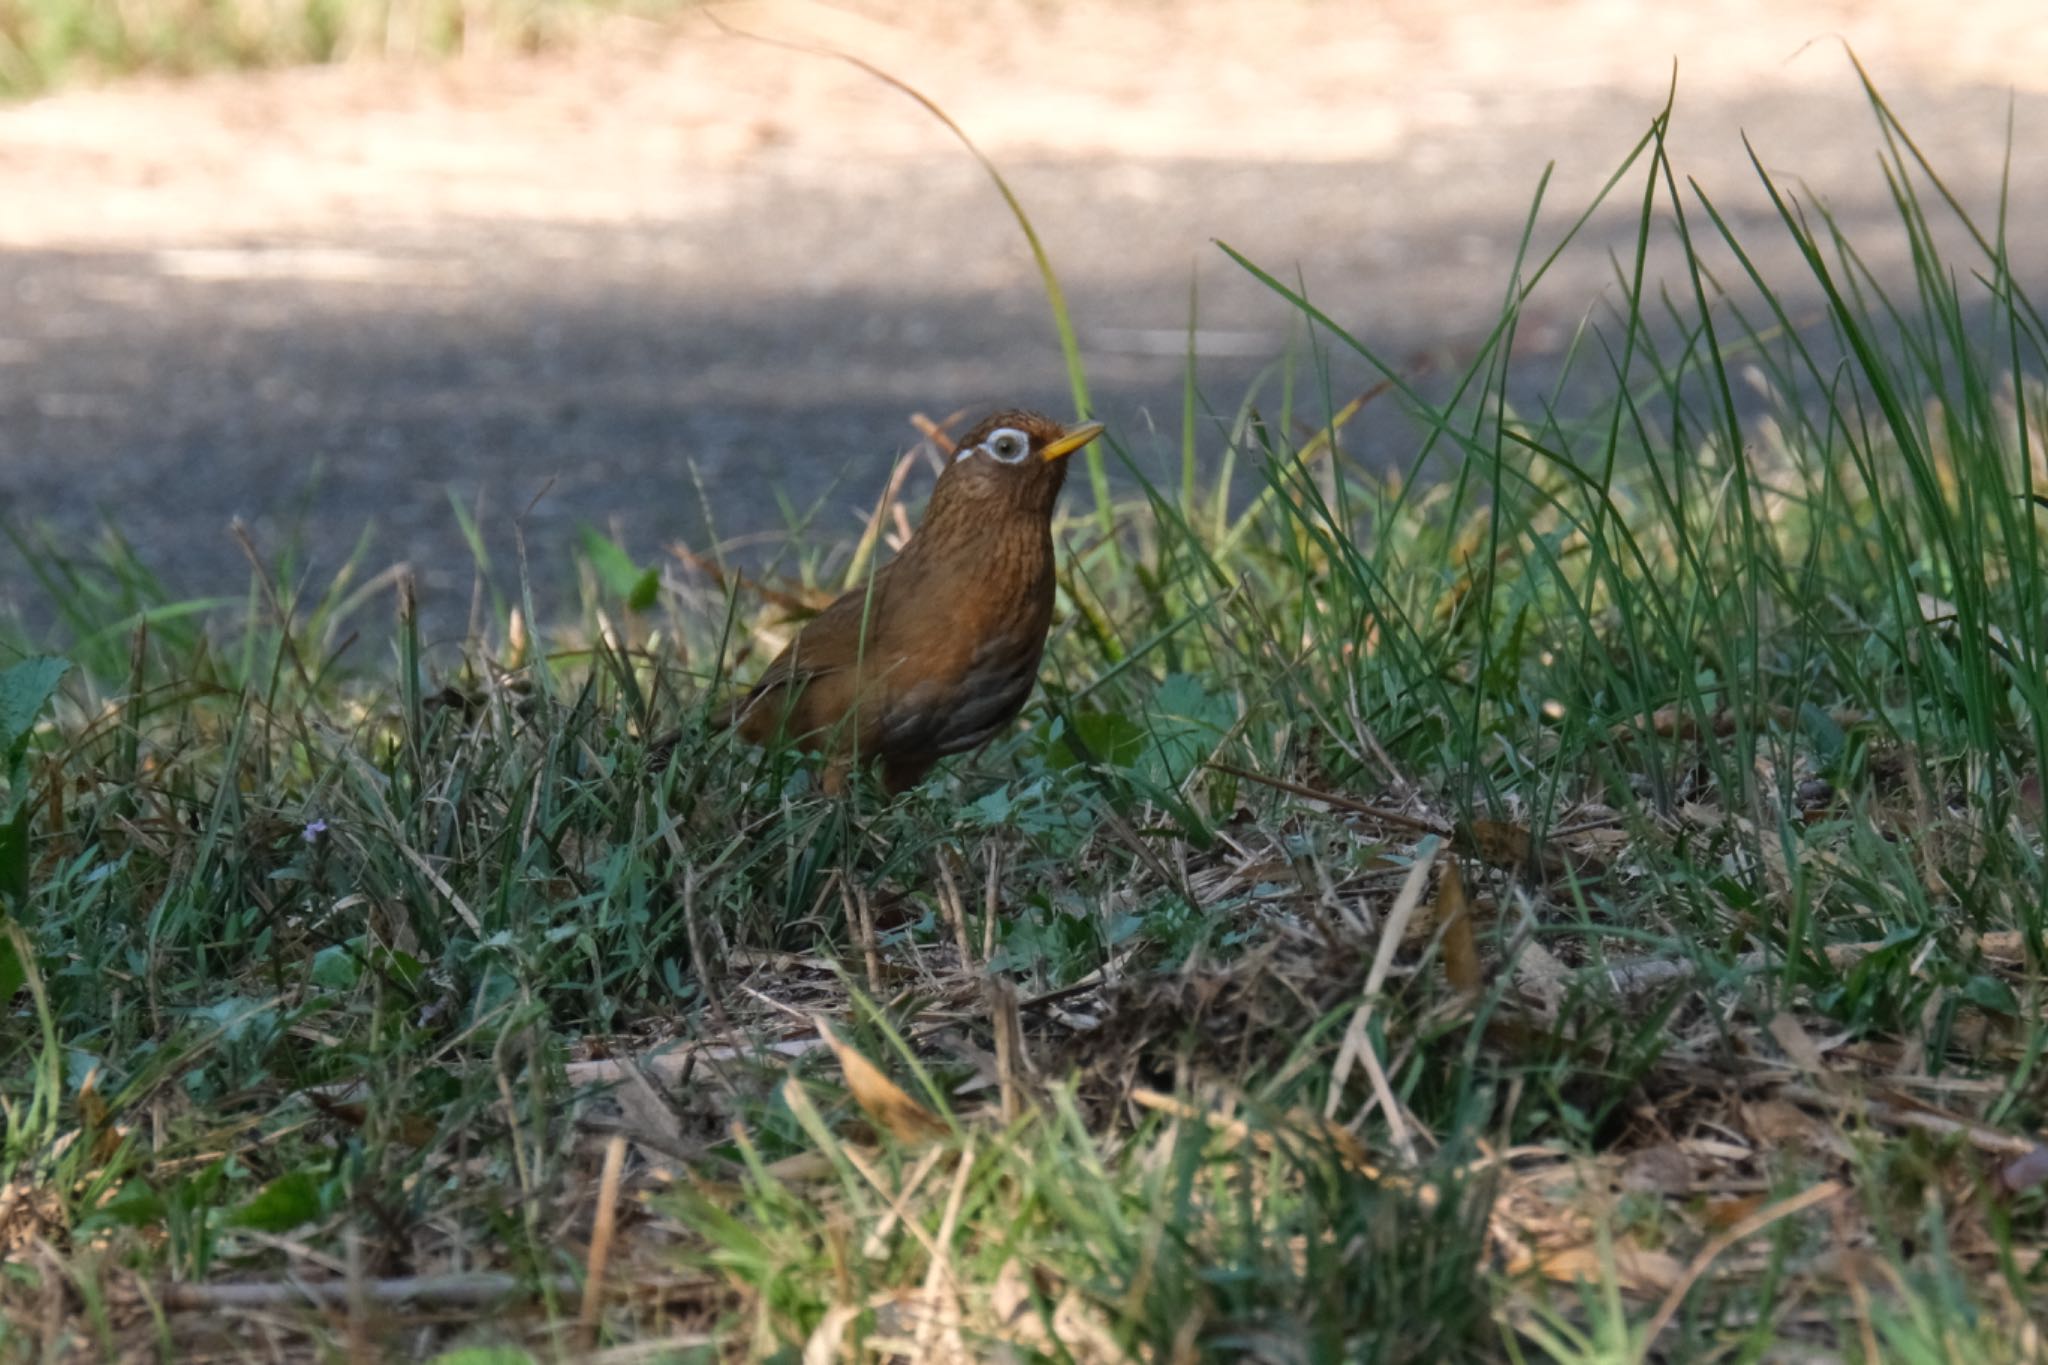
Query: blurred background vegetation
{"x": 46, "y": 43}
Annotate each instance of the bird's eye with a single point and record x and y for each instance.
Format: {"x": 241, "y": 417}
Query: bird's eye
{"x": 1007, "y": 445}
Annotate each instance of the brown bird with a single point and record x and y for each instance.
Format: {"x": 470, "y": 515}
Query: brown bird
{"x": 937, "y": 652}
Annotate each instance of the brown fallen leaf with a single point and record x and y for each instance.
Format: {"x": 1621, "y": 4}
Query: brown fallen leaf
{"x": 1800, "y": 1047}
{"x": 803, "y": 1168}
{"x": 880, "y": 1098}
{"x": 1775, "y": 1123}
{"x": 1461, "y": 950}
{"x": 1721, "y": 1214}
{"x": 1636, "y": 1269}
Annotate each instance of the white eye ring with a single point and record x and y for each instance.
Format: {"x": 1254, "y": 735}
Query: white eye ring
{"x": 1006, "y": 445}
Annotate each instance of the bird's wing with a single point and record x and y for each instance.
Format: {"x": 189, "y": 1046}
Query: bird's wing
{"x": 788, "y": 672}
{"x": 827, "y": 644}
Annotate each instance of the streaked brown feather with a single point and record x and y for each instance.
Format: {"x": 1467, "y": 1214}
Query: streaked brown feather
{"x": 954, "y": 626}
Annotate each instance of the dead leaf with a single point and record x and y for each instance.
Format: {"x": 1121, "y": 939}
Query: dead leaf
{"x": 803, "y": 1168}
{"x": 1721, "y": 1214}
{"x": 880, "y": 1098}
{"x": 1799, "y": 1045}
{"x": 1636, "y": 1269}
{"x": 826, "y": 1343}
{"x": 1461, "y": 950}
{"x": 1780, "y": 1123}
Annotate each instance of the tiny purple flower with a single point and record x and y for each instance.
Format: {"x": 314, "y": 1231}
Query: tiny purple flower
{"x": 312, "y": 832}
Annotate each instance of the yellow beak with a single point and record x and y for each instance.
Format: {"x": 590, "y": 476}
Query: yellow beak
{"x": 1072, "y": 440}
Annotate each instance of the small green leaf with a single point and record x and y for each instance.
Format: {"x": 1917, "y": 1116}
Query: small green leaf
{"x": 402, "y": 967}
{"x": 336, "y": 967}
{"x": 25, "y": 688}
{"x": 1990, "y": 993}
{"x": 617, "y": 571}
{"x": 645, "y": 591}
{"x": 281, "y": 1205}
{"x": 1112, "y": 740}
{"x": 137, "y": 1205}
{"x": 1827, "y": 737}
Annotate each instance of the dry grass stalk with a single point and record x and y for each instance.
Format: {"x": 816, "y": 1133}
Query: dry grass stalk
{"x": 860, "y": 917}
{"x": 990, "y": 899}
{"x": 955, "y": 908}
{"x": 1013, "y": 1065}
{"x": 693, "y": 934}
{"x": 1357, "y": 1040}
{"x": 600, "y": 1243}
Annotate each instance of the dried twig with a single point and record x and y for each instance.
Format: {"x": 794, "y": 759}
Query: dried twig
{"x": 1336, "y": 799}
{"x": 1902, "y": 1111}
{"x": 938, "y": 433}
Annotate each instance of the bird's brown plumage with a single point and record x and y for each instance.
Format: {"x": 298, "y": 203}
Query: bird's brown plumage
{"x": 937, "y": 652}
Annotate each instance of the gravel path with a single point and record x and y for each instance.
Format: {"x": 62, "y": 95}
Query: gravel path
{"x": 674, "y": 258}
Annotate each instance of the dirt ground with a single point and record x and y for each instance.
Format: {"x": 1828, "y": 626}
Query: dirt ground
{"x": 648, "y": 281}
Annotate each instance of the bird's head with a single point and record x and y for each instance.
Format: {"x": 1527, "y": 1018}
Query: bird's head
{"x": 1013, "y": 461}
